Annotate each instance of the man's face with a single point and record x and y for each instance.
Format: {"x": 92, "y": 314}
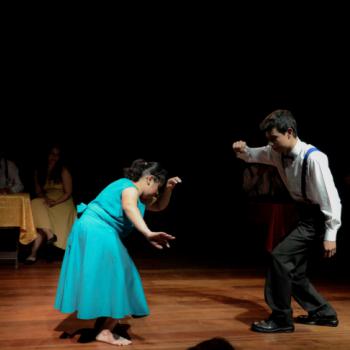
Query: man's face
{"x": 280, "y": 142}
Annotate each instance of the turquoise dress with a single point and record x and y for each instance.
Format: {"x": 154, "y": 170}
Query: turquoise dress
{"x": 98, "y": 277}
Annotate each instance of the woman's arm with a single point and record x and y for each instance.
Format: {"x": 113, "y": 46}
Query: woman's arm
{"x": 162, "y": 202}
{"x": 130, "y": 197}
{"x": 67, "y": 188}
{"x": 38, "y": 189}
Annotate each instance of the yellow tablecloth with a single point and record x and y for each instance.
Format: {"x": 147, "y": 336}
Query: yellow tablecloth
{"x": 16, "y": 211}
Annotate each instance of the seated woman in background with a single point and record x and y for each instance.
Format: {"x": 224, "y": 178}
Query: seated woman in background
{"x": 53, "y": 209}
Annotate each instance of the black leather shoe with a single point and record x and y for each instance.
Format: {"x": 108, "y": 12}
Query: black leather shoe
{"x": 52, "y": 240}
{"x": 30, "y": 261}
{"x": 330, "y": 321}
{"x": 270, "y": 326}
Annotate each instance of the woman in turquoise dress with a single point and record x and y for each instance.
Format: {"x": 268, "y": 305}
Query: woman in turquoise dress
{"x": 98, "y": 279}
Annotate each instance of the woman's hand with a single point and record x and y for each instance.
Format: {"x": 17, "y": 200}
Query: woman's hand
{"x": 161, "y": 201}
{"x": 160, "y": 239}
{"x": 172, "y": 182}
{"x": 50, "y": 202}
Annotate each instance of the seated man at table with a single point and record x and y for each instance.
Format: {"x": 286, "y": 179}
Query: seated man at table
{"x": 10, "y": 181}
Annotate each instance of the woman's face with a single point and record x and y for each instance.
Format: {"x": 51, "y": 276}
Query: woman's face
{"x": 54, "y": 155}
{"x": 151, "y": 188}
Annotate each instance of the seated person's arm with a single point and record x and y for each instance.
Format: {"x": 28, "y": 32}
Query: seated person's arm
{"x": 67, "y": 188}
{"x": 38, "y": 189}
{"x": 16, "y": 183}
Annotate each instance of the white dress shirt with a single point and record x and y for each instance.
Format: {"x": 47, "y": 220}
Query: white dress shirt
{"x": 320, "y": 187}
{"x": 12, "y": 181}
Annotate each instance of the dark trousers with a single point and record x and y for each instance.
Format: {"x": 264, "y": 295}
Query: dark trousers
{"x": 286, "y": 276}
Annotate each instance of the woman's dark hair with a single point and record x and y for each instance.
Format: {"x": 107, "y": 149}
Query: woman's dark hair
{"x": 281, "y": 119}
{"x": 140, "y": 167}
{"x": 56, "y": 173}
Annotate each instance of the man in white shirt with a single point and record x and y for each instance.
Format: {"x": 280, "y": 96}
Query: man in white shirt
{"x": 306, "y": 174}
{"x": 10, "y": 181}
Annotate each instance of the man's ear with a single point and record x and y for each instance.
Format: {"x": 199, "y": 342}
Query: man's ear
{"x": 290, "y": 132}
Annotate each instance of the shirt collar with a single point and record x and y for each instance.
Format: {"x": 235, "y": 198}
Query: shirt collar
{"x": 296, "y": 149}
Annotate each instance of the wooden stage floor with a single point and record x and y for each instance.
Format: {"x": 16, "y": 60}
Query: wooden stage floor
{"x": 188, "y": 304}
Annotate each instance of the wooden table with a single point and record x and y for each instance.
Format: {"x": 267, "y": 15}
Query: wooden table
{"x": 16, "y": 211}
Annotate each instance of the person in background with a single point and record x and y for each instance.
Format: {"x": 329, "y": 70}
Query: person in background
{"x": 10, "y": 181}
{"x": 53, "y": 210}
{"x": 216, "y": 343}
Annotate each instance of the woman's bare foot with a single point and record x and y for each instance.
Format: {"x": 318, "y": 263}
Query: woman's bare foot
{"x": 107, "y": 336}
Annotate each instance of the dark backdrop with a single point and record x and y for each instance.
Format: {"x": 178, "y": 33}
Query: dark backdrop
{"x": 182, "y": 106}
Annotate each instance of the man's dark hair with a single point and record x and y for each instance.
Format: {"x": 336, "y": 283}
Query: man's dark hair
{"x": 282, "y": 120}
